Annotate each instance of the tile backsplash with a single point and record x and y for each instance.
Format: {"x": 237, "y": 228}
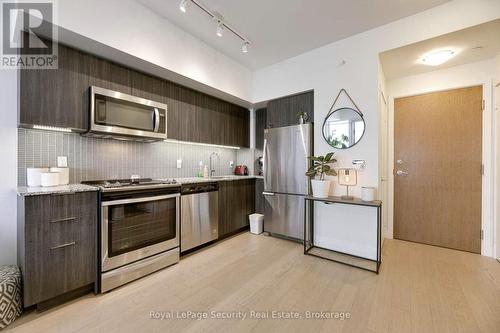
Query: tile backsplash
{"x": 92, "y": 158}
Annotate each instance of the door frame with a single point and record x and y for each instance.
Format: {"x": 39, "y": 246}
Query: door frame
{"x": 488, "y": 149}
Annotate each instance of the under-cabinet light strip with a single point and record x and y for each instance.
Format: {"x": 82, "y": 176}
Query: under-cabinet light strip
{"x": 200, "y": 144}
{"x": 52, "y": 128}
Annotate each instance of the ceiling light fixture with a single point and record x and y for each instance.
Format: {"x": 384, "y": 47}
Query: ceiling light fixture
{"x": 220, "y": 28}
{"x": 436, "y": 58}
{"x": 221, "y": 24}
{"x": 244, "y": 47}
{"x": 183, "y": 5}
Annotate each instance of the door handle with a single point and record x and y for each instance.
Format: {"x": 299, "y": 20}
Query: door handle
{"x": 156, "y": 120}
{"x": 267, "y": 193}
{"x": 62, "y": 246}
{"x": 401, "y": 173}
{"x": 400, "y": 162}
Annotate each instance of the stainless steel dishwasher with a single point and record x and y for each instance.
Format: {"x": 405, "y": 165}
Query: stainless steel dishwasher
{"x": 199, "y": 214}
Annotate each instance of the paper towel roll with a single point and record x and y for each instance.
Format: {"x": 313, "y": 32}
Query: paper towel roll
{"x": 63, "y": 175}
{"x": 50, "y": 179}
{"x": 34, "y": 176}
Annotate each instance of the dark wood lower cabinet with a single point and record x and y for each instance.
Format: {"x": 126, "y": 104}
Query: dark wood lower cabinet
{"x": 236, "y": 202}
{"x": 259, "y": 198}
{"x": 56, "y": 244}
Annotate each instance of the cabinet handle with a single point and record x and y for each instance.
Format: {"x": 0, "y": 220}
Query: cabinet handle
{"x": 63, "y": 220}
{"x": 267, "y": 193}
{"x": 62, "y": 246}
{"x": 328, "y": 203}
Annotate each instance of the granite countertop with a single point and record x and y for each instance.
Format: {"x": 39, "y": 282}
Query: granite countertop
{"x": 194, "y": 180}
{"x": 71, "y": 188}
{"x": 74, "y": 188}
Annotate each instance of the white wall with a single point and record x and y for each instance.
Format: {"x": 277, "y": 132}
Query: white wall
{"x": 132, "y": 28}
{"x": 496, "y": 116}
{"x": 8, "y": 167}
{"x": 322, "y": 70}
{"x": 479, "y": 73}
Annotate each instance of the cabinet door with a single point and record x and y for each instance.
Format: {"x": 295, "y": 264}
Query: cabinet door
{"x": 259, "y": 198}
{"x": 148, "y": 87}
{"x": 225, "y": 208}
{"x": 260, "y": 125}
{"x": 60, "y": 245}
{"x": 56, "y": 97}
{"x": 106, "y": 74}
{"x": 171, "y": 96}
{"x": 284, "y": 111}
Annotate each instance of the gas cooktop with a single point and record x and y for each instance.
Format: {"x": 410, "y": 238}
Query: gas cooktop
{"x": 118, "y": 184}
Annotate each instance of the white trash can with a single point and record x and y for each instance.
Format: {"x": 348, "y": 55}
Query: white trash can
{"x": 256, "y": 223}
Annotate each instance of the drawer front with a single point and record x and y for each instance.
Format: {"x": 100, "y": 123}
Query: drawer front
{"x": 61, "y": 234}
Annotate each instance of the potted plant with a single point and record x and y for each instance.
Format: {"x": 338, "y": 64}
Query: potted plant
{"x": 321, "y": 167}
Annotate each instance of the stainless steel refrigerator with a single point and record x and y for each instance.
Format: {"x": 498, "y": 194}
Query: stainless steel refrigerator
{"x": 285, "y": 184}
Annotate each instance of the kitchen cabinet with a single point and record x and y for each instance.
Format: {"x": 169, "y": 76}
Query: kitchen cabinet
{"x": 56, "y": 97}
{"x": 108, "y": 75}
{"x": 259, "y": 198}
{"x": 283, "y": 111}
{"x": 236, "y": 202}
{"x": 260, "y": 125}
{"x": 56, "y": 244}
{"x": 60, "y": 98}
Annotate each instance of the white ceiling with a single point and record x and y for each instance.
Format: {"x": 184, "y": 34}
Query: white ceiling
{"x": 280, "y": 29}
{"x": 473, "y": 44}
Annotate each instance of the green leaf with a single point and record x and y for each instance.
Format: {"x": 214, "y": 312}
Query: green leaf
{"x": 328, "y": 157}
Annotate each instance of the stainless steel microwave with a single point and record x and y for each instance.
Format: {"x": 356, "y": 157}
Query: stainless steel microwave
{"x": 117, "y": 115}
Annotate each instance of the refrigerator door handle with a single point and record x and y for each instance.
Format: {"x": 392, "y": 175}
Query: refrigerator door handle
{"x": 264, "y": 164}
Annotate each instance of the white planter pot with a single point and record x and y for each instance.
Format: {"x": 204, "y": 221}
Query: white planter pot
{"x": 320, "y": 188}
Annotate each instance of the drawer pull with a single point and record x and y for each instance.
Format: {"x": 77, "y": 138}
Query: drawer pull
{"x": 64, "y": 220}
{"x": 62, "y": 246}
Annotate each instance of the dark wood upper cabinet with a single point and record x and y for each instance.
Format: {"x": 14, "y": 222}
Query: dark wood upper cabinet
{"x": 260, "y": 125}
{"x": 148, "y": 87}
{"x": 283, "y": 111}
{"x": 60, "y": 98}
{"x": 56, "y": 97}
{"x": 106, "y": 74}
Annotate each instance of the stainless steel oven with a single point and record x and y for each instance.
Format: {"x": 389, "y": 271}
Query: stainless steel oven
{"x": 117, "y": 115}
{"x": 139, "y": 232}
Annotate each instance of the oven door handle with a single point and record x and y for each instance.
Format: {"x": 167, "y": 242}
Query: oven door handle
{"x": 129, "y": 201}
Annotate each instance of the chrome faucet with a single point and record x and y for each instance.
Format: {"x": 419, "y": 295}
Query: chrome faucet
{"x": 212, "y": 168}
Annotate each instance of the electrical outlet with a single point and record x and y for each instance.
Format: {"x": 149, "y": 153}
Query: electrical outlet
{"x": 231, "y": 164}
{"x": 179, "y": 164}
{"x": 62, "y": 161}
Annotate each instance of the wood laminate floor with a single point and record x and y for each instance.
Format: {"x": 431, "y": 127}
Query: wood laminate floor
{"x": 420, "y": 289}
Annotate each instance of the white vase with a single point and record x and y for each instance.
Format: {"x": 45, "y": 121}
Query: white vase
{"x": 320, "y": 188}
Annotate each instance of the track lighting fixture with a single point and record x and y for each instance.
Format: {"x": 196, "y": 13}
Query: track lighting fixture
{"x": 183, "y": 5}
{"x": 244, "y": 47}
{"x": 220, "y": 28}
{"x": 221, "y": 24}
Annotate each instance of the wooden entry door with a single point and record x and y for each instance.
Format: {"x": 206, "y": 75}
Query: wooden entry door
{"x": 437, "y": 180}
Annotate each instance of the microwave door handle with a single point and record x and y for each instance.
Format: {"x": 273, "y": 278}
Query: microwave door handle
{"x": 156, "y": 120}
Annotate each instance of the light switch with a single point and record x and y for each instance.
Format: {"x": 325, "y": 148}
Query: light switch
{"x": 231, "y": 164}
{"x": 179, "y": 164}
{"x": 62, "y": 161}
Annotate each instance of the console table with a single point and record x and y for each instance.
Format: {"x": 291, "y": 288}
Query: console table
{"x": 337, "y": 256}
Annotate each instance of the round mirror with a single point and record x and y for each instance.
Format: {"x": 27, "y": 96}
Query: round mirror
{"x": 343, "y": 128}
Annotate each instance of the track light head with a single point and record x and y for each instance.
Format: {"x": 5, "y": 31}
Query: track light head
{"x": 183, "y": 5}
{"x": 220, "y": 29}
{"x": 244, "y": 47}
